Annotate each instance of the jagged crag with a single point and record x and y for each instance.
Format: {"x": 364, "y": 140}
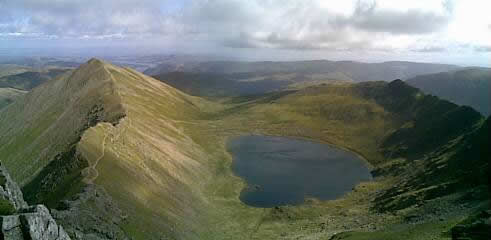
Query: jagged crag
{"x": 115, "y": 154}
{"x": 80, "y": 103}
{"x": 22, "y": 222}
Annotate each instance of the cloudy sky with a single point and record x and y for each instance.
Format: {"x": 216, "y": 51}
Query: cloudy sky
{"x": 450, "y": 31}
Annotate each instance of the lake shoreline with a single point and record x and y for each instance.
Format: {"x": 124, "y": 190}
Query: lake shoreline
{"x": 280, "y": 170}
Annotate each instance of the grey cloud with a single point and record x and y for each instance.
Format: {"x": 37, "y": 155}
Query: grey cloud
{"x": 274, "y": 40}
{"x": 67, "y": 18}
{"x": 367, "y": 16}
{"x": 482, "y": 48}
{"x": 304, "y": 25}
{"x": 219, "y": 12}
{"x": 430, "y": 49}
{"x": 277, "y": 40}
{"x": 412, "y": 21}
{"x": 242, "y": 41}
{"x": 282, "y": 24}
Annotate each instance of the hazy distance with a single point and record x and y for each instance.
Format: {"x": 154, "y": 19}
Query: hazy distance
{"x": 439, "y": 31}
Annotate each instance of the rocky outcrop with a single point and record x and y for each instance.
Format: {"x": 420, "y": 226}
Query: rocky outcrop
{"x": 33, "y": 223}
{"x": 91, "y": 214}
{"x": 10, "y": 191}
{"x": 19, "y": 221}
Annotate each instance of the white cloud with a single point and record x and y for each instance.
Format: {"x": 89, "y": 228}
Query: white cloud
{"x": 418, "y": 26}
{"x": 471, "y": 21}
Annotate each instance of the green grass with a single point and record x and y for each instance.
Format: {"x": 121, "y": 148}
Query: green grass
{"x": 326, "y": 114}
{"x": 9, "y": 95}
{"x": 166, "y": 165}
{"x": 12, "y": 69}
{"x": 6, "y": 208}
{"x": 274, "y": 116}
{"x": 438, "y": 230}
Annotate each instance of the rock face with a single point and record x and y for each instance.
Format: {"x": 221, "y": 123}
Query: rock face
{"x": 10, "y": 191}
{"x": 99, "y": 222}
{"x": 19, "y": 221}
{"x": 33, "y": 223}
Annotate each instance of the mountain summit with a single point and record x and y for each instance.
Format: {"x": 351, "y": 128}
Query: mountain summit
{"x": 104, "y": 125}
{"x": 115, "y": 154}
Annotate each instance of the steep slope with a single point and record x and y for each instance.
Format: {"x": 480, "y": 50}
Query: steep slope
{"x": 419, "y": 147}
{"x": 456, "y": 173}
{"x": 146, "y": 163}
{"x": 8, "y": 95}
{"x": 470, "y": 87}
{"x": 58, "y": 113}
{"x": 357, "y": 71}
{"x": 110, "y": 126}
{"x": 120, "y": 155}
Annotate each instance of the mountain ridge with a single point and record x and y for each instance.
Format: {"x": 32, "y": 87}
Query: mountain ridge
{"x": 71, "y": 129}
{"x": 468, "y": 86}
{"x": 116, "y": 153}
{"x": 358, "y": 71}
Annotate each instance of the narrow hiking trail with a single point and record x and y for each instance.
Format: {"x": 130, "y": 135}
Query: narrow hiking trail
{"x": 92, "y": 171}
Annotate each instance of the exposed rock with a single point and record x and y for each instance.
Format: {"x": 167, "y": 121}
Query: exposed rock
{"x": 18, "y": 221}
{"x": 10, "y": 191}
{"x": 34, "y": 223}
{"x": 40, "y": 225}
{"x": 91, "y": 215}
{"x": 11, "y": 227}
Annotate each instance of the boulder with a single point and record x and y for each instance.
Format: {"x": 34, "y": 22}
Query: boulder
{"x": 39, "y": 225}
{"x": 11, "y": 227}
{"x": 21, "y": 222}
{"x": 33, "y": 223}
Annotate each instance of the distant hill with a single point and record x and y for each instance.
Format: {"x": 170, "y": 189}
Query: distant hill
{"x": 207, "y": 84}
{"x": 8, "y": 95}
{"x": 116, "y": 154}
{"x": 30, "y": 79}
{"x": 11, "y": 69}
{"x": 357, "y": 71}
{"x": 470, "y": 86}
{"x": 40, "y": 62}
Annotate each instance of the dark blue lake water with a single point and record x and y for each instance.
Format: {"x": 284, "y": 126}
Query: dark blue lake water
{"x": 283, "y": 171}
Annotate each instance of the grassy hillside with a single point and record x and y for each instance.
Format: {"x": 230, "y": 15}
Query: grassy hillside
{"x": 116, "y": 153}
{"x": 470, "y": 87}
{"x": 459, "y": 171}
{"x": 366, "y": 118}
{"x": 239, "y": 84}
{"x": 415, "y": 143}
{"x": 40, "y": 62}
{"x": 147, "y": 164}
{"x": 9, "y": 95}
{"x": 11, "y": 69}
{"x": 105, "y": 124}
{"x": 29, "y": 79}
